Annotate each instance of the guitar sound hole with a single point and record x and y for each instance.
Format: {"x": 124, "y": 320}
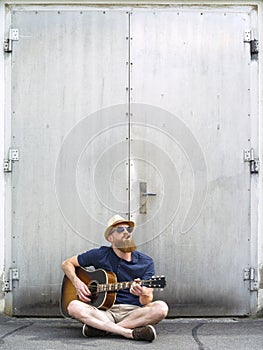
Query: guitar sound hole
{"x": 93, "y": 289}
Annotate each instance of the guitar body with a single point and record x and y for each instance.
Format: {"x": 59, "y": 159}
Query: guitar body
{"x": 103, "y": 286}
{"x": 101, "y": 300}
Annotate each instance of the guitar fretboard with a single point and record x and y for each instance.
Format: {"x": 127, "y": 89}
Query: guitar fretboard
{"x": 113, "y": 287}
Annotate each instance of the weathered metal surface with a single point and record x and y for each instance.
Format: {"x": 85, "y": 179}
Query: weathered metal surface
{"x": 66, "y": 68}
{"x": 105, "y": 100}
{"x": 194, "y": 65}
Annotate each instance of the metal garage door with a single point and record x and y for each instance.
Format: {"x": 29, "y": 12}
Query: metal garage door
{"x": 145, "y": 113}
{"x": 197, "y": 65}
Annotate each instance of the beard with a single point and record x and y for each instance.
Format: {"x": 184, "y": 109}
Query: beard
{"x": 127, "y": 246}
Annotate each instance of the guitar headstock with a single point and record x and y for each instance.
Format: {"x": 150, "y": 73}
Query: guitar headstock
{"x": 155, "y": 282}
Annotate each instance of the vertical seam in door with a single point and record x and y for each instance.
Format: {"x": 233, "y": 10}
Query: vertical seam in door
{"x": 129, "y": 115}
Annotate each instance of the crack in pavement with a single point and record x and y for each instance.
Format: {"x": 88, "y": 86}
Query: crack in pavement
{"x": 13, "y": 331}
{"x": 201, "y": 346}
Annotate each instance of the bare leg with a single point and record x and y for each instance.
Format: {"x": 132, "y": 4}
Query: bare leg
{"x": 96, "y": 318}
{"x": 147, "y": 315}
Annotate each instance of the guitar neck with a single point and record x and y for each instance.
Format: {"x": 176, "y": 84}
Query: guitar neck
{"x": 155, "y": 282}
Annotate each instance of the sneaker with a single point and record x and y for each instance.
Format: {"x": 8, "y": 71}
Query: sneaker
{"x": 144, "y": 333}
{"x": 89, "y": 331}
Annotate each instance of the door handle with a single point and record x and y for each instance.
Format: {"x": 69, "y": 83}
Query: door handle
{"x": 143, "y": 197}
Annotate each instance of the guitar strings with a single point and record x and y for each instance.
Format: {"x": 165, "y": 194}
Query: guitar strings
{"x": 118, "y": 285}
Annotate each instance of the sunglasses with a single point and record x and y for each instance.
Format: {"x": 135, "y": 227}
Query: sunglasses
{"x": 121, "y": 229}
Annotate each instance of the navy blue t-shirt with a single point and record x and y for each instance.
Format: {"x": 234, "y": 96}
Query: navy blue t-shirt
{"x": 141, "y": 266}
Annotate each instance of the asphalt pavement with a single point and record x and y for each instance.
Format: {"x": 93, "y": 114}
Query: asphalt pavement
{"x": 181, "y": 334}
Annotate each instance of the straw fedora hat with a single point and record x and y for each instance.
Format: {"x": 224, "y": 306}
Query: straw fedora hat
{"x": 116, "y": 219}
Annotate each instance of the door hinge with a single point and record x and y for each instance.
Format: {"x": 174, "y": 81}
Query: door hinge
{"x": 250, "y": 38}
{"x": 13, "y": 36}
{"x": 250, "y": 274}
{"x": 13, "y": 156}
{"x": 13, "y": 275}
{"x": 249, "y": 156}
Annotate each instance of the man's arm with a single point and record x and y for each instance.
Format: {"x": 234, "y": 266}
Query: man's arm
{"x": 69, "y": 266}
{"x": 145, "y": 294}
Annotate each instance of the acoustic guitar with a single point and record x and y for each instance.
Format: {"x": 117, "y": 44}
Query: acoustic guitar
{"x": 103, "y": 286}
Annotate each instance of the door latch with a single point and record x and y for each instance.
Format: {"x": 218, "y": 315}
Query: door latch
{"x": 143, "y": 197}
